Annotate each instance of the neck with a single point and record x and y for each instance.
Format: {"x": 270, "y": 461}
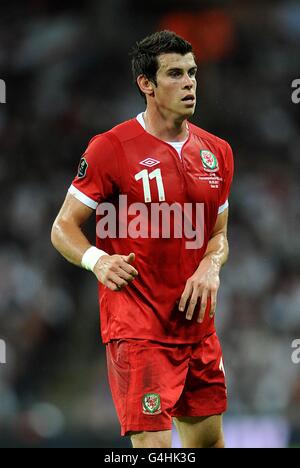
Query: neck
{"x": 165, "y": 127}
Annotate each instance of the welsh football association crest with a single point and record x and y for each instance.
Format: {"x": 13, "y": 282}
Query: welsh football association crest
{"x": 209, "y": 161}
{"x": 151, "y": 403}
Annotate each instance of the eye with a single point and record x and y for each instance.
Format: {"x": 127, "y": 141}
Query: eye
{"x": 192, "y": 72}
{"x": 175, "y": 73}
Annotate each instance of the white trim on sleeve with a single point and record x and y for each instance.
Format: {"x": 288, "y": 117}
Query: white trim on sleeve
{"x": 224, "y": 207}
{"x": 82, "y": 197}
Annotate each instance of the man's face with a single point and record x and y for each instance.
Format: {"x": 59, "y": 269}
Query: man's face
{"x": 176, "y": 84}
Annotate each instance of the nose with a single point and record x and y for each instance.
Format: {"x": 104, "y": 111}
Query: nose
{"x": 188, "y": 82}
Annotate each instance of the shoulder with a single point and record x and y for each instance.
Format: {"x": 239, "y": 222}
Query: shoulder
{"x": 120, "y": 133}
{"x": 209, "y": 137}
{"x": 215, "y": 144}
{"x": 126, "y": 131}
{"x": 104, "y": 151}
{"x": 219, "y": 147}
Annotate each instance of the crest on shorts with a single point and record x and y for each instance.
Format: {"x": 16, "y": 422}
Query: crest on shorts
{"x": 209, "y": 161}
{"x": 151, "y": 403}
{"x": 83, "y": 165}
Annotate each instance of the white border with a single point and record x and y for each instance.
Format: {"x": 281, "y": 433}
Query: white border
{"x": 82, "y": 197}
{"x": 224, "y": 207}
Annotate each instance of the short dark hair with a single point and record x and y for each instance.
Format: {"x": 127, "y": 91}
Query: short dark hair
{"x": 144, "y": 55}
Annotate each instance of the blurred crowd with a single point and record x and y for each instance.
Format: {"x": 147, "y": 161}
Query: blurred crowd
{"x": 67, "y": 73}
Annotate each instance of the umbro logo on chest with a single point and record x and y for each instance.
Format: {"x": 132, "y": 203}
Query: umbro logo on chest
{"x": 149, "y": 162}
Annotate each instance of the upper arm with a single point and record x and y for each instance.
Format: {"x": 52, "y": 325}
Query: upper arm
{"x": 227, "y": 178}
{"x": 96, "y": 180}
{"x": 66, "y": 235}
{"x": 98, "y": 173}
{"x": 73, "y": 212}
{"x": 222, "y": 218}
{"x": 221, "y": 224}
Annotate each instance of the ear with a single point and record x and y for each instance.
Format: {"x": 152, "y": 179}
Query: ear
{"x": 145, "y": 85}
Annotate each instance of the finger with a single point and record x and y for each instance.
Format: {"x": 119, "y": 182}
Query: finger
{"x": 129, "y": 269}
{"x": 112, "y": 286}
{"x": 126, "y": 276}
{"x": 185, "y": 296}
{"x": 203, "y": 305}
{"x": 192, "y": 304}
{"x": 129, "y": 258}
{"x": 213, "y": 304}
{"x": 119, "y": 282}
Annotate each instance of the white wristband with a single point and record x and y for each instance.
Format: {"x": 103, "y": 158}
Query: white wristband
{"x": 91, "y": 257}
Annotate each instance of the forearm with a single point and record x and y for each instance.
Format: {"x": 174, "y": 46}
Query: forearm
{"x": 217, "y": 250}
{"x": 113, "y": 271}
{"x": 70, "y": 241}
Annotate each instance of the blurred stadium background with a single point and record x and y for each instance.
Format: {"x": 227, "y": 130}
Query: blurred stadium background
{"x": 67, "y": 73}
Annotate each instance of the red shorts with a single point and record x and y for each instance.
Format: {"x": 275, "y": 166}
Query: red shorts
{"x": 152, "y": 382}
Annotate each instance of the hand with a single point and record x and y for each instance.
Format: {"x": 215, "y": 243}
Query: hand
{"x": 204, "y": 283}
{"x": 115, "y": 271}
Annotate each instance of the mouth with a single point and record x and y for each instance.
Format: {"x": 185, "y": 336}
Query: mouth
{"x": 189, "y": 99}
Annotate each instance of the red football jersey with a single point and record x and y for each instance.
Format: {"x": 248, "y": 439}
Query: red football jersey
{"x": 129, "y": 162}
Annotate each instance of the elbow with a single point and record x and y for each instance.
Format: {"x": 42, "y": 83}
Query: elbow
{"x": 227, "y": 252}
{"x": 224, "y": 249}
{"x": 55, "y": 234}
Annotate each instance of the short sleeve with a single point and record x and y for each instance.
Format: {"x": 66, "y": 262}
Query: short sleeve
{"x": 228, "y": 176}
{"x": 98, "y": 173}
